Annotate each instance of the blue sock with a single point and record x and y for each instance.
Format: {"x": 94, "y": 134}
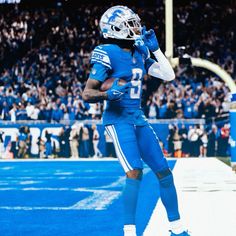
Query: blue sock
{"x": 130, "y": 198}
{"x": 169, "y": 197}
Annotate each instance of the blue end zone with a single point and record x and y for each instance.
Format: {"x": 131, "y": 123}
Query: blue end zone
{"x": 50, "y": 198}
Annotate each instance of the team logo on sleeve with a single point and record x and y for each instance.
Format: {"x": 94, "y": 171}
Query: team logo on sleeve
{"x": 94, "y": 71}
{"x": 101, "y": 56}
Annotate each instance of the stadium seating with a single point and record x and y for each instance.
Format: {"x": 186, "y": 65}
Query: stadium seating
{"x": 50, "y": 49}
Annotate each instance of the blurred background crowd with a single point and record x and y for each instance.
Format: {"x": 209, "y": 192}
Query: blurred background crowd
{"x": 44, "y": 61}
{"x": 44, "y": 64}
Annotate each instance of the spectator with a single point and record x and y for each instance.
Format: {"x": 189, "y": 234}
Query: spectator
{"x": 223, "y": 141}
{"x": 22, "y": 143}
{"x": 95, "y": 111}
{"x": 84, "y": 143}
{"x": 189, "y": 110}
{"x": 41, "y": 147}
{"x": 183, "y": 132}
{"x": 12, "y": 113}
{"x": 35, "y": 113}
{"x": 194, "y": 141}
{"x": 57, "y": 114}
{"x": 212, "y": 138}
{"x": 28, "y": 140}
{"x": 170, "y": 139}
{"x": 1, "y": 144}
{"x": 151, "y": 109}
{"x": 203, "y": 141}
{"x": 21, "y": 112}
{"x": 4, "y": 109}
{"x": 48, "y": 144}
{"x": 96, "y": 137}
{"x": 15, "y": 143}
{"x": 177, "y": 143}
{"x": 110, "y": 149}
{"x": 29, "y": 110}
{"x": 63, "y": 143}
{"x": 74, "y": 141}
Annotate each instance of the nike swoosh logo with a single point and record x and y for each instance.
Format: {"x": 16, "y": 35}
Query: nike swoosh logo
{"x": 115, "y": 92}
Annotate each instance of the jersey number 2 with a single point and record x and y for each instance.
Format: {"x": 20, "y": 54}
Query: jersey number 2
{"x": 136, "y": 82}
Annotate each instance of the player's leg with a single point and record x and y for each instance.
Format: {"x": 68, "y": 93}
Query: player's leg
{"x": 152, "y": 154}
{"x": 127, "y": 151}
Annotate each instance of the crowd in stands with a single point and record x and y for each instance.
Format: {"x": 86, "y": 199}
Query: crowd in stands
{"x": 50, "y": 51}
{"x": 85, "y": 141}
{"x": 186, "y": 97}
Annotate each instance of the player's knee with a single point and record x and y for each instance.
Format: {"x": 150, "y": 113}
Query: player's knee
{"x": 165, "y": 178}
{"x": 134, "y": 174}
{"x": 163, "y": 173}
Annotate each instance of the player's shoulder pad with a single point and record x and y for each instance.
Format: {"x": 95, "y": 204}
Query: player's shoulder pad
{"x": 102, "y": 54}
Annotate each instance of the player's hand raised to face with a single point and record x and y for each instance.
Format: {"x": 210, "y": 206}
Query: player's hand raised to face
{"x": 150, "y": 39}
{"x": 142, "y": 48}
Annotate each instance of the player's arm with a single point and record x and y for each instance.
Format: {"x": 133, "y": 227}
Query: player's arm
{"x": 157, "y": 69}
{"x": 92, "y": 91}
{"x": 101, "y": 66}
{"x": 101, "y": 69}
{"x": 160, "y": 67}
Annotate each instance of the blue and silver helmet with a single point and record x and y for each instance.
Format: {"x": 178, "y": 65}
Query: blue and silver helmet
{"x": 120, "y": 22}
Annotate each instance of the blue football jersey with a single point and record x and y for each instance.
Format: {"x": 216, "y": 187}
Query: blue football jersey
{"x": 111, "y": 61}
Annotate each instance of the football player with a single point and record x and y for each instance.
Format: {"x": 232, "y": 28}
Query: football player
{"x": 126, "y": 54}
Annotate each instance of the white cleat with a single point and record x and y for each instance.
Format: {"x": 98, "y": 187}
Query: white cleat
{"x": 130, "y": 230}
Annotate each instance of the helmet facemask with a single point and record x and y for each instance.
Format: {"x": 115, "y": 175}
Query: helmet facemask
{"x": 134, "y": 27}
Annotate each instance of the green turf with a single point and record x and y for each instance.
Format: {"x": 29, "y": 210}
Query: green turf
{"x": 226, "y": 160}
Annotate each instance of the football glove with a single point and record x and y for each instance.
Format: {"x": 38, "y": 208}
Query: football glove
{"x": 142, "y": 48}
{"x": 150, "y": 39}
{"x": 116, "y": 91}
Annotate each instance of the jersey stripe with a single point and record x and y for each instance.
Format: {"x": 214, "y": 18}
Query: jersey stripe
{"x": 111, "y": 131}
{"x": 100, "y": 51}
{"x": 101, "y": 56}
{"x": 93, "y": 60}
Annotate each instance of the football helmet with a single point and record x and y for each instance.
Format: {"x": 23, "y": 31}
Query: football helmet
{"x": 120, "y": 22}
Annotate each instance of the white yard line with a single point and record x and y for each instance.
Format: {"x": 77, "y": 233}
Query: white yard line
{"x": 100, "y": 200}
{"x": 207, "y": 199}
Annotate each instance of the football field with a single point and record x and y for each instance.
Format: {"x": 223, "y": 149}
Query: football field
{"x": 83, "y": 198}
